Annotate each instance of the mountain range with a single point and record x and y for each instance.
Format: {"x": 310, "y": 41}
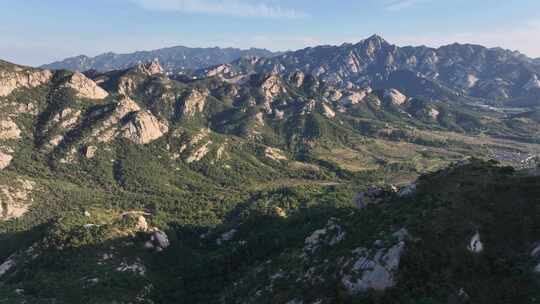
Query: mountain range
{"x": 494, "y": 75}
{"x": 334, "y": 174}
{"x": 497, "y": 76}
{"x": 178, "y": 58}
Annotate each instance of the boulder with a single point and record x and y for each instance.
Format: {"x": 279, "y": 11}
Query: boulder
{"x": 141, "y": 225}
{"x": 407, "y": 190}
{"x": 429, "y": 112}
{"x": 368, "y": 271}
{"x": 331, "y": 234}
{"x": 373, "y": 195}
{"x": 9, "y": 129}
{"x": 137, "y": 267}
{"x": 274, "y": 154}
{"x": 137, "y": 219}
{"x": 5, "y": 160}
{"x": 535, "y": 253}
{"x": 227, "y": 236}
{"x": 475, "y": 244}
{"x": 144, "y": 128}
{"x": 90, "y": 226}
{"x": 327, "y": 111}
{"x": 395, "y": 96}
{"x": 90, "y": 151}
{"x": 537, "y": 268}
{"x": 353, "y": 98}
{"x": 7, "y": 266}
{"x": 55, "y": 141}
{"x": 160, "y": 239}
{"x": 15, "y": 198}
{"x": 279, "y": 212}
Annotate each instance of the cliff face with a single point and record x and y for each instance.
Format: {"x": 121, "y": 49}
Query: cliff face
{"x": 86, "y": 88}
{"x": 17, "y": 77}
{"x": 143, "y": 128}
{"x": 15, "y": 199}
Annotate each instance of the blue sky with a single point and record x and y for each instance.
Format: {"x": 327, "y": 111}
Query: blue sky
{"x": 39, "y": 31}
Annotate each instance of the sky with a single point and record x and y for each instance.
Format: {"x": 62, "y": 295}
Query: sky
{"x": 34, "y": 32}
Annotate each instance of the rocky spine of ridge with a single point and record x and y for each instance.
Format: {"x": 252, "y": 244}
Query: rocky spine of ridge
{"x": 18, "y": 77}
{"x": 496, "y": 75}
{"x": 151, "y": 68}
{"x": 85, "y": 87}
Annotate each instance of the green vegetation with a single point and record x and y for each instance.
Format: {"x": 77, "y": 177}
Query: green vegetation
{"x": 239, "y": 177}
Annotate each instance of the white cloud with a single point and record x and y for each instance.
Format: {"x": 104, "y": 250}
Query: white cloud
{"x": 240, "y": 8}
{"x": 396, "y": 5}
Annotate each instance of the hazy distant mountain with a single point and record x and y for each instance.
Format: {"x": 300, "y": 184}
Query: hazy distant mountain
{"x": 497, "y": 75}
{"x": 172, "y": 59}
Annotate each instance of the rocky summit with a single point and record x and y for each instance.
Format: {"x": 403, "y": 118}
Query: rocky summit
{"x": 359, "y": 173}
{"x": 493, "y": 75}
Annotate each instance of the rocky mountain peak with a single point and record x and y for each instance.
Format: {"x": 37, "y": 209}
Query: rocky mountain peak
{"x": 373, "y": 44}
{"x": 375, "y": 39}
{"x": 13, "y": 77}
{"x": 85, "y": 87}
{"x": 151, "y": 68}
